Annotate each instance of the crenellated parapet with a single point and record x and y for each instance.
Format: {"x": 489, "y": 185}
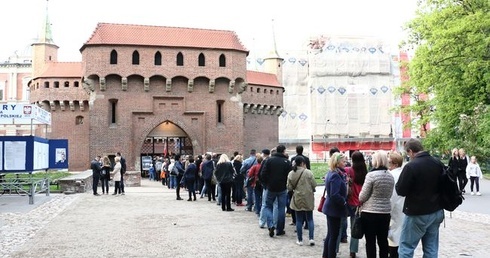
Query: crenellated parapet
{"x": 260, "y": 109}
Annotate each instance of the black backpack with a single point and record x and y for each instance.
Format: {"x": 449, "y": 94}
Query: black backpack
{"x": 451, "y": 196}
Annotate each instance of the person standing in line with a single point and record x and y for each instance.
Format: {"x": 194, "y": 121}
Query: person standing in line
{"x": 246, "y": 165}
{"x": 253, "y": 173}
{"x": 237, "y": 195}
{"x": 419, "y": 184}
{"x": 105, "y": 175}
{"x": 299, "y": 153}
{"x": 123, "y": 171}
{"x": 274, "y": 175}
{"x": 207, "y": 175}
{"x": 375, "y": 205}
{"x": 224, "y": 176}
{"x": 96, "y": 168}
{"x": 180, "y": 168}
{"x": 395, "y": 162}
{"x": 302, "y": 183}
{"x": 473, "y": 172}
{"x": 189, "y": 178}
{"x": 357, "y": 174}
{"x": 463, "y": 163}
{"x": 117, "y": 176}
{"x": 335, "y": 206}
{"x": 262, "y": 219}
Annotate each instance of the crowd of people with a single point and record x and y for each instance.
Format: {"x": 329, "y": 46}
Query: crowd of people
{"x": 103, "y": 171}
{"x": 398, "y": 203}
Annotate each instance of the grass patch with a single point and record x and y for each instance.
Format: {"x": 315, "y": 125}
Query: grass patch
{"x": 319, "y": 171}
{"x": 52, "y": 175}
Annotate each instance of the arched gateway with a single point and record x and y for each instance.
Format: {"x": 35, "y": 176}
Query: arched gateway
{"x": 165, "y": 139}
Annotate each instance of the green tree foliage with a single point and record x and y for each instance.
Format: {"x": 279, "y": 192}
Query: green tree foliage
{"x": 451, "y": 68}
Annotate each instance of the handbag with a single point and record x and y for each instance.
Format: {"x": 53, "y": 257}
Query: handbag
{"x": 322, "y": 201}
{"x": 357, "y": 231}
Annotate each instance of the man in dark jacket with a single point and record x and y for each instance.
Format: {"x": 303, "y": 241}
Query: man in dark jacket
{"x": 96, "y": 168}
{"x": 419, "y": 183}
{"x": 274, "y": 175}
{"x": 123, "y": 171}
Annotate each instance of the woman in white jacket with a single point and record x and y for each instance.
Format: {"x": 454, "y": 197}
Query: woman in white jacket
{"x": 473, "y": 172}
{"x": 395, "y": 162}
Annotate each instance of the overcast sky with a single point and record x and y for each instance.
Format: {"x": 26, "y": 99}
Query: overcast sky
{"x": 73, "y": 21}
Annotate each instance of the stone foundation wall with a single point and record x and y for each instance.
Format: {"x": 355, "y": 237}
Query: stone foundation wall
{"x": 82, "y": 182}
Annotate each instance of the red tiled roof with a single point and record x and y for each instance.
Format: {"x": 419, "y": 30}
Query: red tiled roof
{"x": 62, "y": 70}
{"x": 145, "y": 35}
{"x": 265, "y": 79}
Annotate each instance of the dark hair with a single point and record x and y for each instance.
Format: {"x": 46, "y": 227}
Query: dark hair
{"x": 118, "y": 153}
{"x": 191, "y": 159}
{"x": 299, "y": 149}
{"x": 333, "y": 150}
{"x": 177, "y": 157}
{"x": 413, "y": 145}
{"x": 298, "y": 161}
{"x": 359, "y": 166}
{"x": 281, "y": 148}
{"x": 208, "y": 156}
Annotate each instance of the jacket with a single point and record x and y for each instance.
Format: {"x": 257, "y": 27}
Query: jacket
{"x": 397, "y": 215}
{"x": 336, "y": 200}
{"x": 207, "y": 169}
{"x": 303, "y": 187}
{"x": 190, "y": 172}
{"x": 275, "y": 172}
{"x": 224, "y": 172}
{"x": 96, "y": 167}
{"x": 473, "y": 170}
{"x": 377, "y": 191}
{"x": 117, "y": 172}
{"x": 419, "y": 183}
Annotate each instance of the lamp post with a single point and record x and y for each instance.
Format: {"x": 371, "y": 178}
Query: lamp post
{"x": 325, "y": 136}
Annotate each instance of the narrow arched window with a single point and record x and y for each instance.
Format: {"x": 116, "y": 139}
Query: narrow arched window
{"x": 201, "y": 60}
{"x": 219, "y": 111}
{"x": 158, "y": 58}
{"x": 112, "y": 111}
{"x": 222, "y": 60}
{"x": 113, "y": 57}
{"x": 136, "y": 58}
{"x": 180, "y": 59}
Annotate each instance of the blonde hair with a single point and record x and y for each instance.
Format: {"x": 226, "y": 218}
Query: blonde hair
{"x": 238, "y": 157}
{"x": 106, "y": 161}
{"x": 335, "y": 160}
{"x": 223, "y": 158}
{"x": 380, "y": 159}
{"x": 117, "y": 159}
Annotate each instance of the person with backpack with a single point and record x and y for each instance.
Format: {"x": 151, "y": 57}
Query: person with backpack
{"x": 420, "y": 184}
{"x": 246, "y": 165}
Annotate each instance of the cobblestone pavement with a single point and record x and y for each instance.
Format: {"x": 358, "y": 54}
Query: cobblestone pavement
{"x": 149, "y": 222}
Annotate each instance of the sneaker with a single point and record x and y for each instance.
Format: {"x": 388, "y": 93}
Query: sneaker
{"x": 300, "y": 243}
{"x": 472, "y": 193}
{"x": 312, "y": 242}
{"x": 478, "y": 193}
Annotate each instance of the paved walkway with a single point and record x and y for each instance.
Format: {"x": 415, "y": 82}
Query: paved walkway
{"x": 149, "y": 222}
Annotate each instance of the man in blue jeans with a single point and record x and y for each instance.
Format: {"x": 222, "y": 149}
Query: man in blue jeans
{"x": 246, "y": 165}
{"x": 274, "y": 177}
{"x": 419, "y": 183}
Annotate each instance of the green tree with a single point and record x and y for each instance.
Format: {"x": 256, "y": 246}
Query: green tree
{"x": 451, "y": 67}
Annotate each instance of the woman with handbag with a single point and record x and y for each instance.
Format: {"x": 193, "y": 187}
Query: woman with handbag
{"x": 224, "y": 176}
{"x": 335, "y": 206}
{"x": 376, "y": 207}
{"x": 302, "y": 182}
{"x": 357, "y": 174}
